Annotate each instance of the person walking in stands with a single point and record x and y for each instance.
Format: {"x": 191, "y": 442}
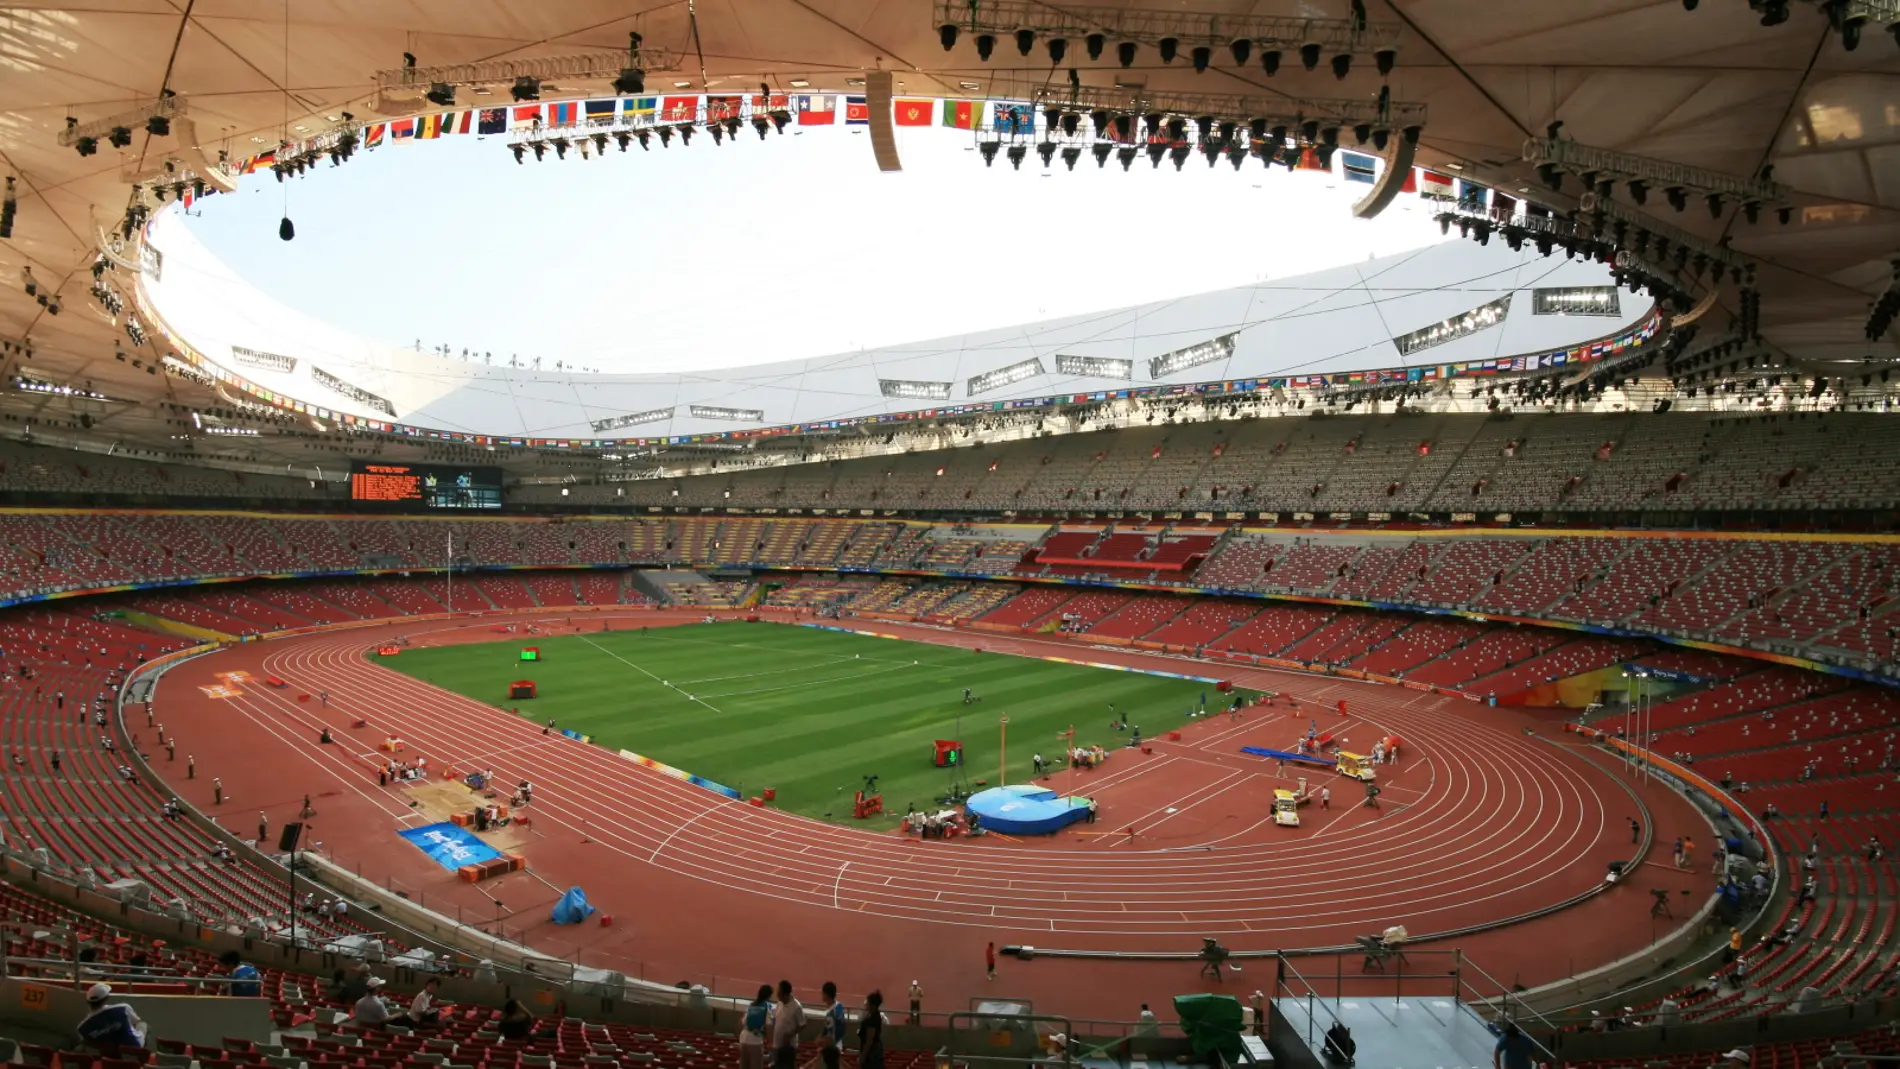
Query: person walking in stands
{"x": 53, "y": 759}
{"x": 1514, "y": 1050}
{"x": 833, "y": 1050}
{"x": 758, "y": 1013}
{"x": 217, "y": 790}
{"x": 244, "y": 976}
{"x": 785, "y": 1026}
{"x": 191, "y": 767}
{"x": 110, "y": 1026}
{"x": 59, "y": 700}
{"x": 1823, "y": 809}
{"x": 989, "y": 959}
{"x": 916, "y": 1004}
{"x": 871, "y": 1032}
{"x": 263, "y": 826}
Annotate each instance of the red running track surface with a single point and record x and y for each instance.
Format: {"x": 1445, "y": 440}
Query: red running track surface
{"x": 1481, "y": 821}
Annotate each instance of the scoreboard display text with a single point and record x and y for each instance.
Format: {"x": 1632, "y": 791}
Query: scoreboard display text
{"x": 424, "y": 487}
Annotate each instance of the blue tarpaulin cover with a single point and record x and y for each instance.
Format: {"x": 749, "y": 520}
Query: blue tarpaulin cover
{"x": 573, "y": 907}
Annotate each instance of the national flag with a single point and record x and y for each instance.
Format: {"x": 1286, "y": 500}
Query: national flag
{"x": 1471, "y": 196}
{"x": 460, "y": 122}
{"x": 1434, "y": 185}
{"x": 428, "y": 127}
{"x": 402, "y": 129}
{"x": 774, "y": 102}
{"x": 1358, "y": 168}
{"x": 492, "y": 121}
{"x": 1310, "y": 161}
{"x": 721, "y": 108}
{"x": 373, "y": 135}
{"x": 817, "y": 110}
{"x": 1014, "y": 119}
{"x": 261, "y": 162}
{"x": 600, "y": 112}
{"x": 1411, "y": 181}
{"x": 679, "y": 109}
{"x": 527, "y": 115}
{"x": 912, "y": 112}
{"x": 566, "y": 113}
{"x": 640, "y": 107}
{"x": 856, "y": 111}
{"x": 961, "y": 114}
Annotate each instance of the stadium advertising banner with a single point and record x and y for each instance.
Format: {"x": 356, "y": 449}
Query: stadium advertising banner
{"x": 424, "y": 487}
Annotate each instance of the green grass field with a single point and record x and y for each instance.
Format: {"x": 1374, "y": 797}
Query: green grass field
{"x": 805, "y": 711}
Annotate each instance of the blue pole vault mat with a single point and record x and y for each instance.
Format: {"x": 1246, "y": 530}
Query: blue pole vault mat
{"x": 450, "y": 845}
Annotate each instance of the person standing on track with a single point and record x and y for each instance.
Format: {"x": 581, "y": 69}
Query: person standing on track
{"x": 1636, "y": 830}
{"x": 989, "y": 959}
{"x": 1325, "y": 797}
{"x": 916, "y": 1004}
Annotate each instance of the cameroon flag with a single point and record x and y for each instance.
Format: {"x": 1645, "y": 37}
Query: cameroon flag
{"x": 961, "y": 114}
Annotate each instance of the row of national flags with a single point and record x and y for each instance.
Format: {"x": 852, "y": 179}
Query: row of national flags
{"x": 818, "y": 109}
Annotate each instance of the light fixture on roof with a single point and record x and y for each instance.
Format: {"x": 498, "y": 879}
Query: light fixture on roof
{"x": 1017, "y": 153}
{"x": 1202, "y": 56}
{"x": 1058, "y": 48}
{"x": 526, "y": 87}
{"x": 947, "y": 35}
{"x": 1270, "y": 61}
{"x": 1342, "y": 65}
{"x": 1125, "y": 53}
{"x": 632, "y": 79}
{"x": 985, "y": 46}
{"x": 119, "y": 136}
{"x": 1025, "y": 40}
{"x": 441, "y": 94}
{"x": 158, "y": 126}
{"x": 988, "y": 149}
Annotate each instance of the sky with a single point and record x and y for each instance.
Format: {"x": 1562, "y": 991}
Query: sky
{"x": 702, "y": 257}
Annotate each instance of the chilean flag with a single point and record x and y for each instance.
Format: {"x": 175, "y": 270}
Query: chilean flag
{"x": 817, "y": 110}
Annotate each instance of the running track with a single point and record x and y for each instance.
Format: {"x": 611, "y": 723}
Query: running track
{"x": 1481, "y": 821}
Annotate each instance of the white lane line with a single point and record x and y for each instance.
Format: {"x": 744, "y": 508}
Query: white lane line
{"x": 646, "y": 673}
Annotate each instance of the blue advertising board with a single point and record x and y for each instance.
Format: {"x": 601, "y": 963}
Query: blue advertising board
{"x": 450, "y": 845}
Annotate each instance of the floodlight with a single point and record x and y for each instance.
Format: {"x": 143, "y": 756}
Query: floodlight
{"x": 526, "y": 87}
{"x": 158, "y": 126}
{"x": 988, "y": 149}
{"x": 1270, "y": 61}
{"x": 1094, "y": 43}
{"x": 1058, "y": 48}
{"x": 1025, "y": 40}
{"x": 1342, "y": 65}
{"x": 1384, "y": 59}
{"x": 985, "y": 46}
{"x": 1309, "y": 56}
{"x": 947, "y": 35}
{"x": 1202, "y": 56}
{"x": 1125, "y": 53}
{"x": 1170, "y": 47}
{"x": 119, "y": 137}
{"x": 441, "y": 94}
{"x": 1016, "y": 154}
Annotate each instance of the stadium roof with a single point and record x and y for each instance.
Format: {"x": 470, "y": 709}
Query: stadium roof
{"x": 1710, "y": 88}
{"x": 1301, "y": 332}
